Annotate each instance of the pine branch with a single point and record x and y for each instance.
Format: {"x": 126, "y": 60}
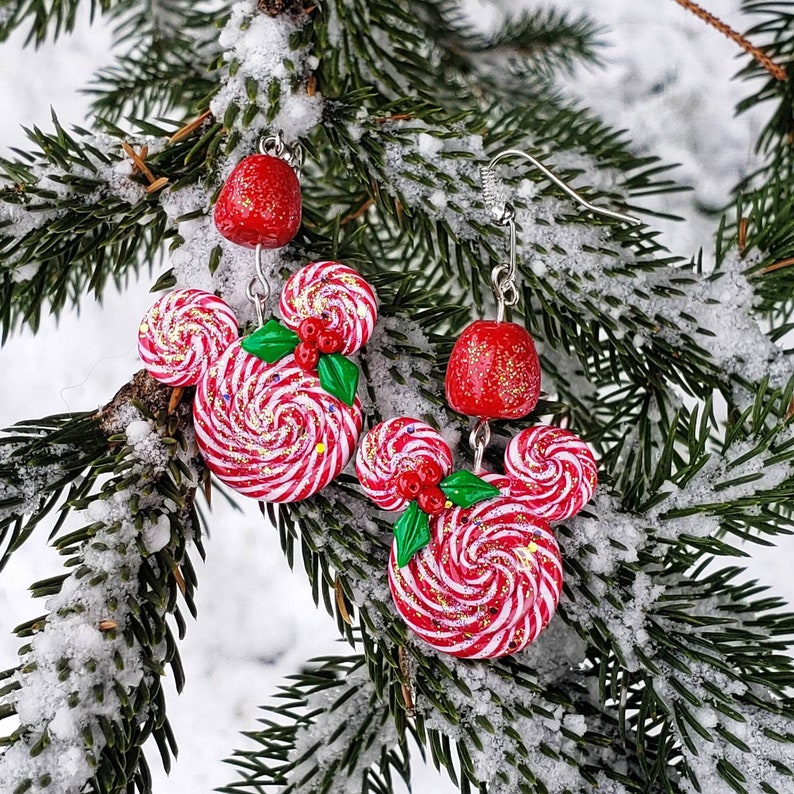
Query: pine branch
{"x": 335, "y": 700}
{"x": 38, "y": 460}
{"x": 46, "y": 17}
{"x": 165, "y": 65}
{"x": 87, "y": 692}
{"x": 73, "y": 217}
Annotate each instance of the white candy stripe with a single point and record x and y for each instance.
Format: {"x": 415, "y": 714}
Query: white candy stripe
{"x": 393, "y": 447}
{"x": 552, "y": 470}
{"x": 183, "y": 333}
{"x": 335, "y": 293}
{"x": 269, "y": 430}
{"x": 486, "y": 585}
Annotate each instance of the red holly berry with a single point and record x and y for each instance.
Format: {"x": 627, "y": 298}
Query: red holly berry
{"x": 493, "y": 372}
{"x": 429, "y": 472}
{"x": 431, "y": 500}
{"x": 260, "y": 204}
{"x": 309, "y": 329}
{"x": 329, "y": 341}
{"x": 409, "y": 485}
{"x": 307, "y": 356}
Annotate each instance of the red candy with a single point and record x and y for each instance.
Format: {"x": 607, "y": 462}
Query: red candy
{"x": 488, "y": 582}
{"x": 493, "y": 372}
{"x": 260, "y": 204}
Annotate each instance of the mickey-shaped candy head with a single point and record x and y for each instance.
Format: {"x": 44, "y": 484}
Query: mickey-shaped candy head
{"x": 489, "y": 578}
{"x": 266, "y": 424}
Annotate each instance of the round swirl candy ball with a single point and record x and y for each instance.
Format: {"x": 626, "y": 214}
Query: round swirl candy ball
{"x": 336, "y": 296}
{"x": 488, "y": 582}
{"x": 552, "y": 471}
{"x": 183, "y": 333}
{"x": 393, "y": 449}
{"x": 270, "y": 431}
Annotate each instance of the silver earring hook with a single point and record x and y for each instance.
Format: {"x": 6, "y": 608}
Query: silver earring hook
{"x": 503, "y": 276}
{"x": 502, "y": 211}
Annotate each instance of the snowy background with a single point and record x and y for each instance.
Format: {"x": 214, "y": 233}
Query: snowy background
{"x": 666, "y": 80}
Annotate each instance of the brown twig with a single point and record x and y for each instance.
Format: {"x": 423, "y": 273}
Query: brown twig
{"x": 358, "y": 213}
{"x": 742, "y": 236}
{"x": 778, "y": 72}
{"x": 175, "y": 399}
{"x": 779, "y": 265}
{"x": 407, "y": 688}
{"x": 340, "y": 601}
{"x": 107, "y": 625}
{"x": 393, "y": 117}
{"x": 191, "y": 126}
{"x": 139, "y": 164}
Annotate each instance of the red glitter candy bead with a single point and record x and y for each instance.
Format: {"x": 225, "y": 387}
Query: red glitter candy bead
{"x": 493, "y": 372}
{"x": 260, "y": 204}
{"x": 409, "y": 485}
{"x": 329, "y": 341}
{"x": 307, "y": 356}
{"x": 429, "y": 472}
{"x": 309, "y": 329}
{"x": 431, "y": 501}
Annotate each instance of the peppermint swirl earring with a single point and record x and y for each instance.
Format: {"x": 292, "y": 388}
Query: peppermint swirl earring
{"x": 475, "y": 570}
{"x": 275, "y": 413}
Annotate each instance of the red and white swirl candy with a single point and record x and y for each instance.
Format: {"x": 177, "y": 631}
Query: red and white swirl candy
{"x": 183, "y": 333}
{"x": 269, "y": 430}
{"x": 337, "y": 296}
{"x": 394, "y": 448}
{"x": 552, "y": 471}
{"x": 488, "y": 582}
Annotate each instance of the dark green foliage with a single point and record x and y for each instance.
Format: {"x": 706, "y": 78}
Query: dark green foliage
{"x": 664, "y": 661}
{"x": 85, "y": 450}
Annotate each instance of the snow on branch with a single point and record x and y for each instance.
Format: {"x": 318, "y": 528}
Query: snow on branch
{"x": 87, "y": 689}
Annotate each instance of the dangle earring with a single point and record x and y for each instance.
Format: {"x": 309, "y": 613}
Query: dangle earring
{"x": 475, "y": 570}
{"x": 275, "y": 412}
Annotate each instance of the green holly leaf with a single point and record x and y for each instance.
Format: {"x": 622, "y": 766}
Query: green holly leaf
{"x": 465, "y": 489}
{"x": 338, "y": 376}
{"x": 271, "y": 342}
{"x": 412, "y": 532}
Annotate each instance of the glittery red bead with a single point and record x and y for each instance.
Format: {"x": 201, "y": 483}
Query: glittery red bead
{"x": 429, "y": 472}
{"x": 493, "y": 372}
{"x": 307, "y": 356}
{"x": 409, "y": 485}
{"x": 329, "y": 341}
{"x": 431, "y": 500}
{"x": 309, "y": 329}
{"x": 260, "y": 204}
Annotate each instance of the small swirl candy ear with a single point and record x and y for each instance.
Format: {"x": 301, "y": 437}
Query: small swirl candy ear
{"x": 339, "y": 305}
{"x": 552, "y": 471}
{"x": 487, "y": 579}
{"x": 183, "y": 333}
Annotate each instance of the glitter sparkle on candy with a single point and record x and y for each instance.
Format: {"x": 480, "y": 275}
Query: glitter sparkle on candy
{"x": 262, "y": 443}
{"x": 182, "y": 333}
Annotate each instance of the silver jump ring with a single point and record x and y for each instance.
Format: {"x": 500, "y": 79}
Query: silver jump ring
{"x": 275, "y": 146}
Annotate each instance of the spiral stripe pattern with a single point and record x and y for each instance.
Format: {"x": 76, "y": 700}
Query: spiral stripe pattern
{"x": 337, "y": 295}
{"x": 552, "y": 470}
{"x": 270, "y": 431}
{"x": 183, "y": 333}
{"x": 393, "y": 447}
{"x": 488, "y": 582}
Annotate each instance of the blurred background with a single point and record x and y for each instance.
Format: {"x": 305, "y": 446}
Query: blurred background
{"x": 665, "y": 78}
